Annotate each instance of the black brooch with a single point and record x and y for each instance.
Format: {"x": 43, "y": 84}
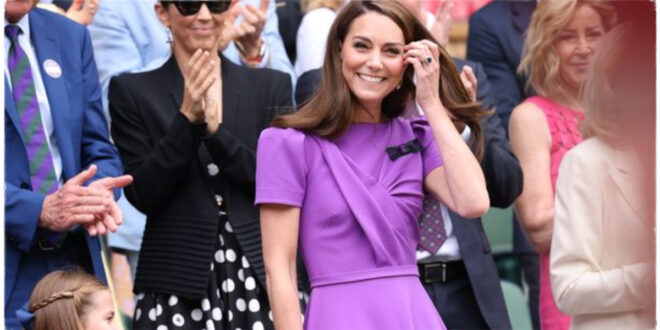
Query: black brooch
{"x": 407, "y": 148}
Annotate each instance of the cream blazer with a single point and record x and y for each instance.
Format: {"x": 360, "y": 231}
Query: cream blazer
{"x": 601, "y": 259}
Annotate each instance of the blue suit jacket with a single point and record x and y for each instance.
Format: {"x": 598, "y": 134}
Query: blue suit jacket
{"x": 80, "y": 127}
{"x": 495, "y": 40}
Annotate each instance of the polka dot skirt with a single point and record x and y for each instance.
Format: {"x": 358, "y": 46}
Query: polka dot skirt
{"x": 234, "y": 300}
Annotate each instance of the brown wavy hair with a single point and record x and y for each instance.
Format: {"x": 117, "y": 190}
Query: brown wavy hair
{"x": 329, "y": 112}
{"x": 61, "y": 298}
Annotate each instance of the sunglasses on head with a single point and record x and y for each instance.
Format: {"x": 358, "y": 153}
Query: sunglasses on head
{"x": 187, "y": 8}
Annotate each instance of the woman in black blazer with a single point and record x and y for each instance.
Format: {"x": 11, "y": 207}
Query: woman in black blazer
{"x": 188, "y": 132}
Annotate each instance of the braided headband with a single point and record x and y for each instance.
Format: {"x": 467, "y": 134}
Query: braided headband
{"x": 54, "y": 297}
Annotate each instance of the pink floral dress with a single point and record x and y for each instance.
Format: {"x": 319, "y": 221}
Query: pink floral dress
{"x": 563, "y": 124}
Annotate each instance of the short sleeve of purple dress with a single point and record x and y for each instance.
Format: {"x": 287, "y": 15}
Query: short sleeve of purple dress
{"x": 358, "y": 223}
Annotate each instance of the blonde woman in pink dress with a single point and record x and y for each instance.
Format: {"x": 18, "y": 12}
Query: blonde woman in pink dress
{"x": 561, "y": 40}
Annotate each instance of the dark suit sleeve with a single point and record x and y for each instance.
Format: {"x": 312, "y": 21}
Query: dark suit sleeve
{"x": 158, "y": 167}
{"x": 96, "y": 146}
{"x": 501, "y": 168}
{"x": 238, "y": 160}
{"x": 306, "y": 85}
{"x": 504, "y": 178}
{"x": 22, "y": 212}
{"x": 483, "y": 46}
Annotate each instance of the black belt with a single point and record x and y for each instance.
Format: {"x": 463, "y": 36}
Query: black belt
{"x": 443, "y": 272}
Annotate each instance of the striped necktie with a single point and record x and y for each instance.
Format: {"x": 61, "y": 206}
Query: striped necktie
{"x": 42, "y": 172}
{"x": 432, "y": 226}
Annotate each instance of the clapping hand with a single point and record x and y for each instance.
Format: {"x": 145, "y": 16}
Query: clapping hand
{"x": 93, "y": 207}
{"x": 113, "y": 217}
{"x": 201, "y": 96}
{"x": 198, "y": 78}
{"x": 248, "y": 33}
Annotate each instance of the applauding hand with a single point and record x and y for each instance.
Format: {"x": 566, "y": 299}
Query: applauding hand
{"x": 73, "y": 204}
{"x": 247, "y": 34}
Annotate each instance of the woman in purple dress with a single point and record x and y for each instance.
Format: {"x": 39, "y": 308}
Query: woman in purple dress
{"x": 345, "y": 175}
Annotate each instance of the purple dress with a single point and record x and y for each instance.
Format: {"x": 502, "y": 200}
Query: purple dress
{"x": 358, "y": 222}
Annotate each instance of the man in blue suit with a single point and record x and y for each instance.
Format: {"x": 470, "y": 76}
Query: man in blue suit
{"x": 54, "y": 128}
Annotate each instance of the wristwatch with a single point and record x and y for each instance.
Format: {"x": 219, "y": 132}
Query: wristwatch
{"x": 253, "y": 61}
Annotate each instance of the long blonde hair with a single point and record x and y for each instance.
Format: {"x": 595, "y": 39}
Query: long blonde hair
{"x": 61, "y": 298}
{"x": 540, "y": 60}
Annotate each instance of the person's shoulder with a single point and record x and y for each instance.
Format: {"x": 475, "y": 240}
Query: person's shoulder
{"x": 282, "y": 138}
{"x": 137, "y": 78}
{"x": 58, "y": 22}
{"x": 418, "y": 124}
{"x": 144, "y": 82}
{"x": 492, "y": 10}
{"x": 588, "y": 160}
{"x": 590, "y": 154}
{"x": 526, "y": 113}
{"x": 254, "y": 77}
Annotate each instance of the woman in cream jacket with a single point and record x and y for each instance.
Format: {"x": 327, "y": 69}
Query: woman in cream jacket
{"x": 601, "y": 263}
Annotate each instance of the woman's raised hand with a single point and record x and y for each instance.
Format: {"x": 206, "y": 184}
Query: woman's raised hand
{"x": 469, "y": 82}
{"x": 198, "y": 77}
{"x": 423, "y": 55}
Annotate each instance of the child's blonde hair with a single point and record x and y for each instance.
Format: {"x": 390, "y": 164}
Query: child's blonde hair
{"x": 62, "y": 298}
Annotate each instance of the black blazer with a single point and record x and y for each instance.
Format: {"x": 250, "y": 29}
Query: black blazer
{"x": 173, "y": 176}
{"x": 504, "y": 181}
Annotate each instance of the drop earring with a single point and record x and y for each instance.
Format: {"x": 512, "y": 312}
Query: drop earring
{"x": 169, "y": 37}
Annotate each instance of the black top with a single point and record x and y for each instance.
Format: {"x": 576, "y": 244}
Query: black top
{"x": 174, "y": 176}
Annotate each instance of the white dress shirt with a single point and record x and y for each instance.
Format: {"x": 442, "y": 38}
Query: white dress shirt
{"x": 44, "y": 107}
{"x": 449, "y": 251}
{"x": 311, "y": 39}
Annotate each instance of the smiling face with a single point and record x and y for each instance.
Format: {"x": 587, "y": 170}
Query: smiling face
{"x": 189, "y": 33}
{"x": 100, "y": 316}
{"x": 576, "y": 44}
{"x": 372, "y": 59}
